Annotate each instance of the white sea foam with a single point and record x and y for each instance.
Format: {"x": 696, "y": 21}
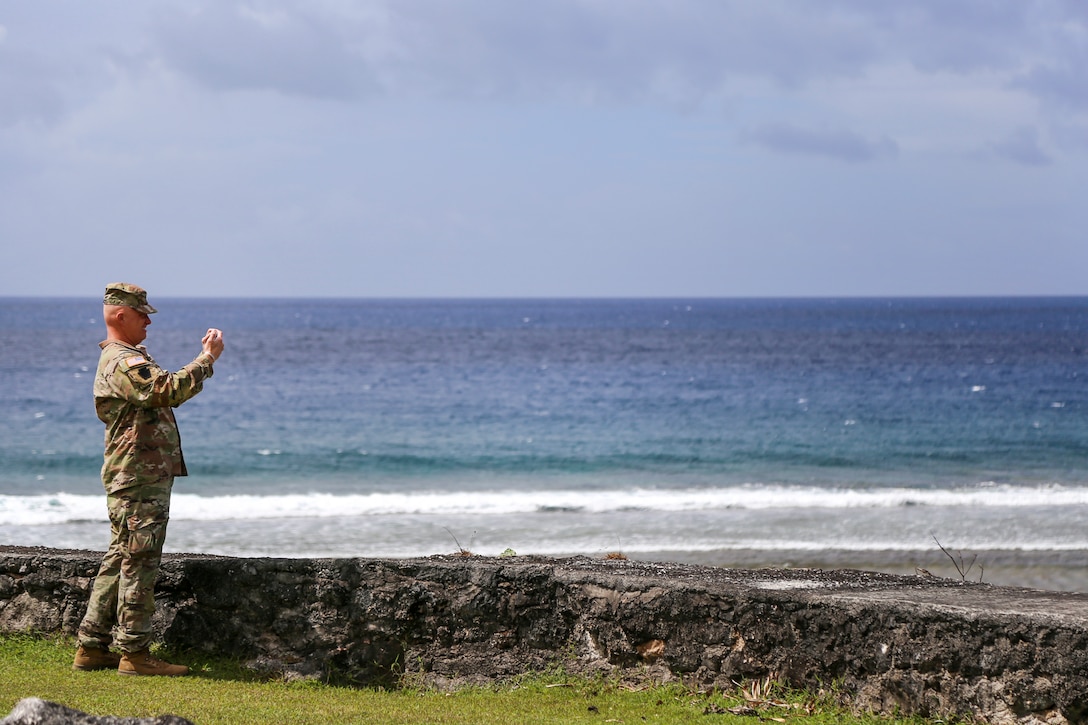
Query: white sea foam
{"x": 62, "y": 508}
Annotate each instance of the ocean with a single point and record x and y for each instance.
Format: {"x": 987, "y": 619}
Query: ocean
{"x": 949, "y": 435}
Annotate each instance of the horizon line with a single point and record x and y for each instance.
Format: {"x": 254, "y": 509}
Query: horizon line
{"x": 574, "y": 298}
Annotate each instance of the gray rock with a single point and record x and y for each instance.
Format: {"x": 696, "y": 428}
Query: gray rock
{"x": 917, "y": 645}
{"x": 32, "y": 711}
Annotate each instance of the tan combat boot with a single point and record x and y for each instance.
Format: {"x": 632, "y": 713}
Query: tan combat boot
{"x": 142, "y": 663}
{"x": 92, "y": 658}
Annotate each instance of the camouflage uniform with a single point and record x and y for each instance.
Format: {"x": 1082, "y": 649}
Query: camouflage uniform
{"x": 135, "y": 398}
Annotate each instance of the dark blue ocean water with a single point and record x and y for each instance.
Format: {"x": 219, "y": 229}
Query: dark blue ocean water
{"x": 382, "y": 427}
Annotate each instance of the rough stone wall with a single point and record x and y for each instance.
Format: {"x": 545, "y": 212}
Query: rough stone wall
{"x": 933, "y": 647}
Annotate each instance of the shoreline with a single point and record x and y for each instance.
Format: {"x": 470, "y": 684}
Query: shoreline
{"x": 1051, "y": 570}
{"x": 1058, "y": 570}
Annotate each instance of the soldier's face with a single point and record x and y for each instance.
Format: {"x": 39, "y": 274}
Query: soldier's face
{"x": 134, "y": 325}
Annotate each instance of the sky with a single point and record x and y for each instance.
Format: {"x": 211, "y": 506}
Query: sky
{"x": 554, "y": 148}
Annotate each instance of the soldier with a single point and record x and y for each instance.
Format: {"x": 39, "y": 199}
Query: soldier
{"x": 135, "y": 398}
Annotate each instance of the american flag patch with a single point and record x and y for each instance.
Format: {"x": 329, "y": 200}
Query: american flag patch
{"x": 135, "y": 361}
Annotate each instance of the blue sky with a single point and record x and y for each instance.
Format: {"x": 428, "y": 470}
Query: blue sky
{"x": 475, "y": 148}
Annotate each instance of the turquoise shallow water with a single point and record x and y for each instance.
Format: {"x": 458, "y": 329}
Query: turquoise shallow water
{"x": 701, "y": 428}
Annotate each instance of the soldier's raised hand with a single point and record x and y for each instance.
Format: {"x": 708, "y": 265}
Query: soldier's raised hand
{"x": 212, "y": 342}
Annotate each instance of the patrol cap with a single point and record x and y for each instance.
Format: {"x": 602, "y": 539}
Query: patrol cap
{"x": 127, "y": 295}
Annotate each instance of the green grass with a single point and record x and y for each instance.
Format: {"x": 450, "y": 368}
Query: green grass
{"x": 223, "y": 692}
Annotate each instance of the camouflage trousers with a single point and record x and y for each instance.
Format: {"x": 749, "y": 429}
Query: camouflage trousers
{"x": 123, "y": 596}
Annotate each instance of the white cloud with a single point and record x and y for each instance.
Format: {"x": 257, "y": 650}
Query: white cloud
{"x": 230, "y": 47}
{"x": 571, "y": 146}
{"x": 840, "y": 144}
{"x": 683, "y": 56}
{"x": 1023, "y": 147}
{"x": 28, "y": 89}
{"x": 589, "y": 49}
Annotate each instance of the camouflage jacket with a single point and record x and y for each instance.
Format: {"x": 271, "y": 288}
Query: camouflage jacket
{"x": 134, "y": 397}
